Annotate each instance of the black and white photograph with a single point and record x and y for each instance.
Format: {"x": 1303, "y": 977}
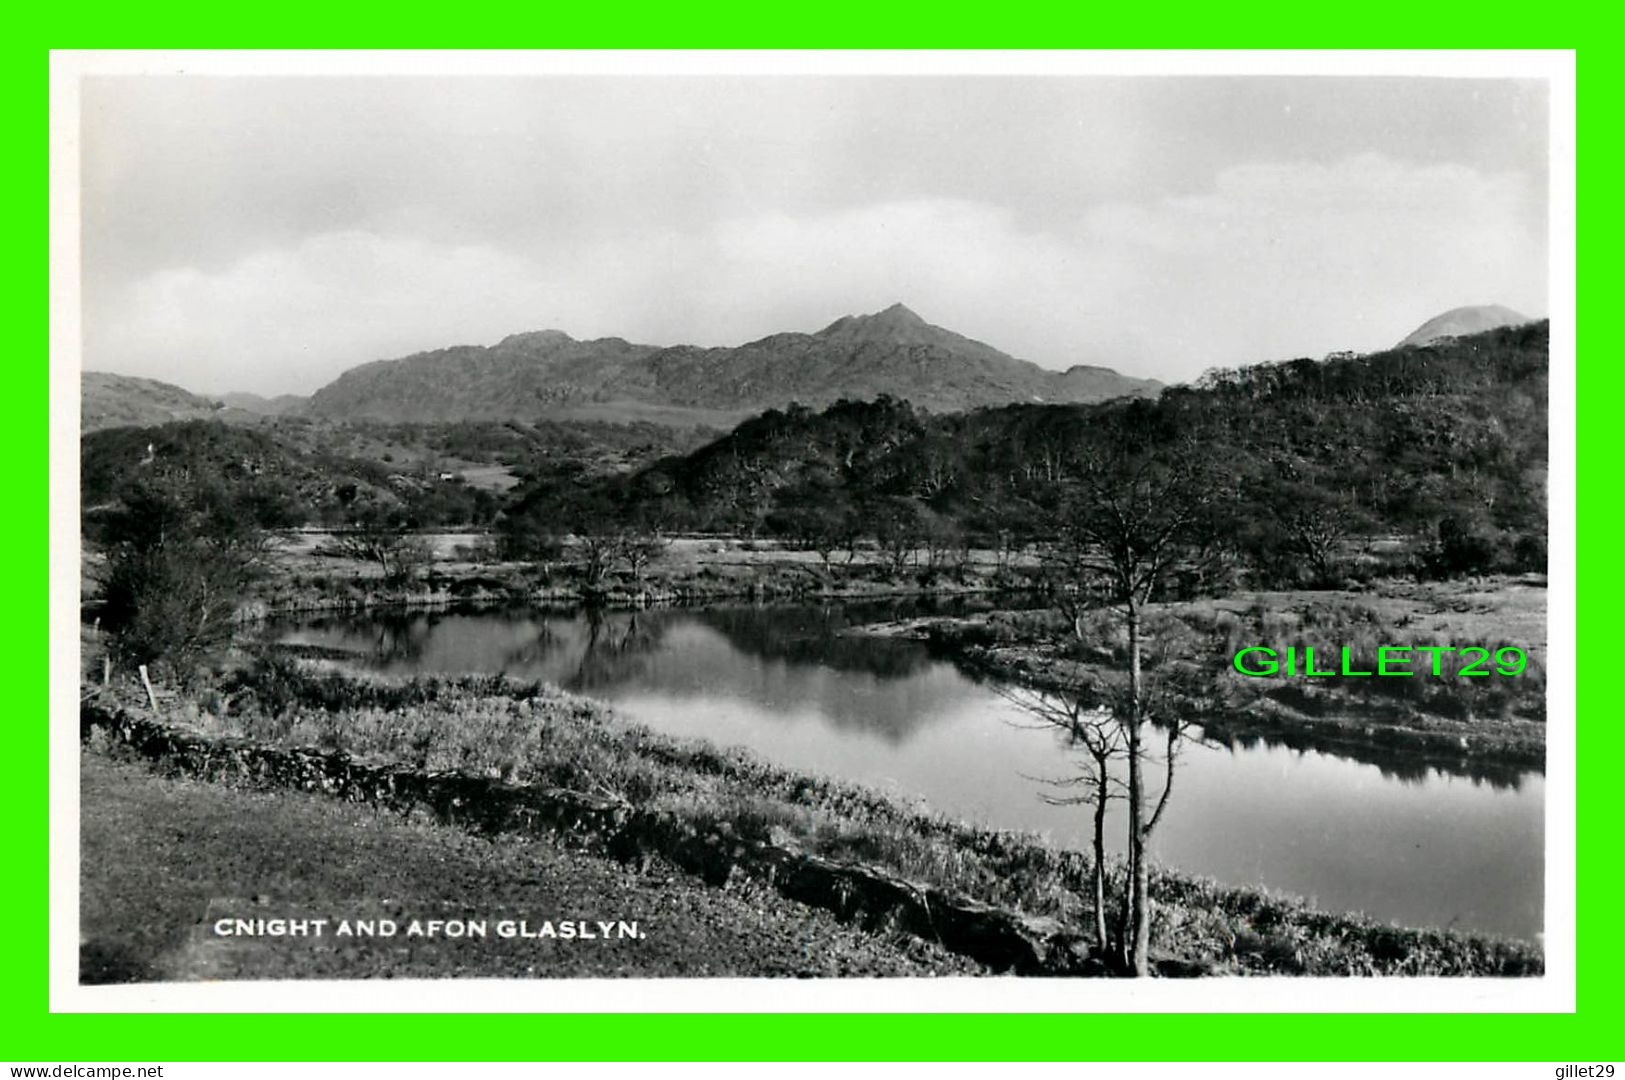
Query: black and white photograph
{"x": 1078, "y": 523}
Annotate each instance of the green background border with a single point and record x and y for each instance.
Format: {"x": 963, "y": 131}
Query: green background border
{"x": 29, "y": 1032}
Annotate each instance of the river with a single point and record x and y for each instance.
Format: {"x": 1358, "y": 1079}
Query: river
{"x": 1398, "y": 839}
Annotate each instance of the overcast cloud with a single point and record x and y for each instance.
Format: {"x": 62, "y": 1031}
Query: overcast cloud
{"x": 265, "y": 234}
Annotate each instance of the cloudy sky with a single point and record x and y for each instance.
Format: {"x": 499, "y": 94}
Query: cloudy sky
{"x": 264, "y": 234}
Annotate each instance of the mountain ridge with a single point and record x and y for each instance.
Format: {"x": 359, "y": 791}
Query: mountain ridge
{"x": 893, "y": 351}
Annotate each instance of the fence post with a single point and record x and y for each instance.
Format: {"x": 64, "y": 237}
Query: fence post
{"x": 152, "y": 698}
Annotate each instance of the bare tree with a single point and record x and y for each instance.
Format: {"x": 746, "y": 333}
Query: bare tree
{"x": 639, "y": 549}
{"x": 377, "y": 538}
{"x": 600, "y": 549}
{"x": 1129, "y": 512}
{"x": 896, "y": 527}
{"x": 816, "y": 527}
{"x": 1095, "y": 731}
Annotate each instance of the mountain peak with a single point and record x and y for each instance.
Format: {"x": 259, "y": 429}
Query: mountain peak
{"x": 896, "y": 325}
{"x": 1458, "y": 322}
{"x": 898, "y": 313}
{"x": 536, "y": 339}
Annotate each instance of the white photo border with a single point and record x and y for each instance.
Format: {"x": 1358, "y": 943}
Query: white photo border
{"x": 1553, "y": 992}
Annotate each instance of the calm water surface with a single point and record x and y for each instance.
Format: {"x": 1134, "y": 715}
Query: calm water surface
{"x": 1397, "y": 839}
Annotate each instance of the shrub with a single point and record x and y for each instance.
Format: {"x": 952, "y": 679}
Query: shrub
{"x": 178, "y": 563}
{"x": 172, "y": 605}
{"x": 526, "y": 545}
{"x": 1464, "y": 547}
{"x": 1529, "y": 553}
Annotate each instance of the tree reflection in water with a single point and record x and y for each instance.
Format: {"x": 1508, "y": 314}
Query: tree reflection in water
{"x": 617, "y": 649}
{"x": 817, "y": 636}
{"x": 401, "y": 637}
{"x": 779, "y": 657}
{"x": 542, "y": 642}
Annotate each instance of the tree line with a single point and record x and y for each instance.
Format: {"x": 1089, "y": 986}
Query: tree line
{"x": 1441, "y": 448}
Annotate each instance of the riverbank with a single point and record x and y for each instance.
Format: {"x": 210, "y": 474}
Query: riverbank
{"x": 309, "y": 576}
{"x": 1470, "y": 724}
{"x": 528, "y": 738}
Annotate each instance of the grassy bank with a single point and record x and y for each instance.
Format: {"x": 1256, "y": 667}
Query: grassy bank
{"x": 1449, "y": 717}
{"x": 164, "y": 857}
{"x": 531, "y": 734}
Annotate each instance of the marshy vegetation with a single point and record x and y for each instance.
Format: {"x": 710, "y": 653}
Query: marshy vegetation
{"x": 1500, "y": 718}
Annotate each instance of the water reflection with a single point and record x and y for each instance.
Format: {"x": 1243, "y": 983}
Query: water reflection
{"x": 1400, "y": 766}
{"x": 888, "y": 688}
{"x": 1418, "y": 841}
{"x": 616, "y": 649}
{"x": 816, "y": 636}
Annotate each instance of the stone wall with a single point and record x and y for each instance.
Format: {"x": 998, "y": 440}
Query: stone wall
{"x": 870, "y": 896}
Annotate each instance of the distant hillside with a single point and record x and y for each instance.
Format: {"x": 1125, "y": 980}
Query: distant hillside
{"x": 295, "y": 471}
{"x": 1445, "y": 441}
{"x": 279, "y": 484}
{"x": 107, "y": 401}
{"x": 549, "y": 373}
{"x": 1458, "y": 322}
{"x": 280, "y": 405}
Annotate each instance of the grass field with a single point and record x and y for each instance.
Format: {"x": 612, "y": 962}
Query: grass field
{"x": 163, "y": 858}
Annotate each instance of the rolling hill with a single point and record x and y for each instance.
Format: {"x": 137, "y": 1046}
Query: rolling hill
{"x": 108, "y": 401}
{"x": 281, "y": 405}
